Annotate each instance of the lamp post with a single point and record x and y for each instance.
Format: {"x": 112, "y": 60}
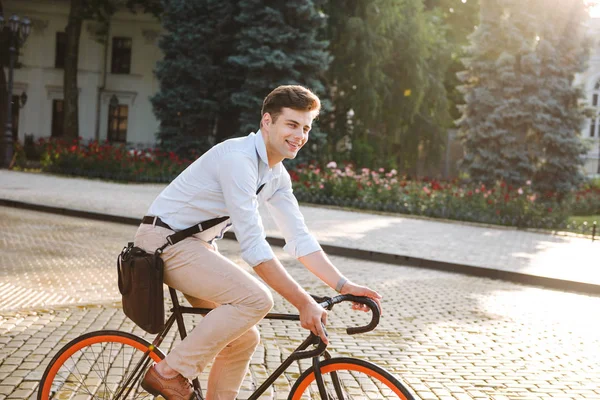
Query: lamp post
{"x": 17, "y": 31}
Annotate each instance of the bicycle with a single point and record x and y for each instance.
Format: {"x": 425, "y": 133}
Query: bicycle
{"x": 110, "y": 364}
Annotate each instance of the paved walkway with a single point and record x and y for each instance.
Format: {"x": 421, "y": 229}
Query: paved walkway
{"x": 500, "y": 249}
{"x": 445, "y": 335}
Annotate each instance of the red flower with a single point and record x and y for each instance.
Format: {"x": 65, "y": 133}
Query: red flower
{"x": 549, "y": 209}
{"x": 294, "y": 176}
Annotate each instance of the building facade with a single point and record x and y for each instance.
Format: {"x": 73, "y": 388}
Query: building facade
{"x": 590, "y": 83}
{"x": 115, "y": 78}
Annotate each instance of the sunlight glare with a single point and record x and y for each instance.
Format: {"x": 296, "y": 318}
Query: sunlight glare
{"x": 594, "y": 8}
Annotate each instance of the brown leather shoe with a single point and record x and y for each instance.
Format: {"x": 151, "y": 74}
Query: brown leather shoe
{"x": 177, "y": 388}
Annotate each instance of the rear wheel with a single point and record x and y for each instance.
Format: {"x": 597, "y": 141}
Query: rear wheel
{"x": 99, "y": 365}
{"x": 350, "y": 379}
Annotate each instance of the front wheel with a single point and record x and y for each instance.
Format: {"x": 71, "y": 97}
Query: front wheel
{"x": 99, "y": 365}
{"x": 349, "y": 379}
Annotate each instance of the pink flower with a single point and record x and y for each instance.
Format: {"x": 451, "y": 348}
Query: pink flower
{"x": 426, "y": 189}
{"x": 520, "y": 191}
{"x": 332, "y": 164}
{"x": 528, "y": 183}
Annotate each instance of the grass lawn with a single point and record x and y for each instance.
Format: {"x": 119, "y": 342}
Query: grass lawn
{"x": 589, "y": 218}
{"x": 578, "y": 222}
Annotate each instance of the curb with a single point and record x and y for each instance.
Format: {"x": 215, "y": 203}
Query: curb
{"x": 367, "y": 255}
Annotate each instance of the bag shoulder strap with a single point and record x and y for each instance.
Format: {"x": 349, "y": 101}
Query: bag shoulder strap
{"x": 192, "y": 230}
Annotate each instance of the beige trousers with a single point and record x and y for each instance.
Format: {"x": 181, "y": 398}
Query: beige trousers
{"x": 228, "y": 333}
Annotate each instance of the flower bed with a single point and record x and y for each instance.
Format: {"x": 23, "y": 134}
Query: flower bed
{"x": 387, "y": 191}
{"x": 586, "y": 201}
{"x": 106, "y": 161}
{"x": 344, "y": 185}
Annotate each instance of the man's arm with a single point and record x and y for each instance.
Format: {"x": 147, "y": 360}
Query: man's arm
{"x": 311, "y": 314}
{"x": 319, "y": 264}
{"x": 302, "y": 245}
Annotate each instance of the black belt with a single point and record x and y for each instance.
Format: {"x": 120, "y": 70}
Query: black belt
{"x": 151, "y": 221}
{"x": 179, "y": 236}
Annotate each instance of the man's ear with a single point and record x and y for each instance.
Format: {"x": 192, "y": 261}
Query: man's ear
{"x": 266, "y": 119}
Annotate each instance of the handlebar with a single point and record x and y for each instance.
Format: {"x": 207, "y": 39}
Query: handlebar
{"x": 328, "y": 303}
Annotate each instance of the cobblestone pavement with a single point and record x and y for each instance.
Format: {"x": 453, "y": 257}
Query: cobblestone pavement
{"x": 447, "y": 336}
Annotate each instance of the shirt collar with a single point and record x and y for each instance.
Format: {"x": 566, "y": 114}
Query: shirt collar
{"x": 261, "y": 148}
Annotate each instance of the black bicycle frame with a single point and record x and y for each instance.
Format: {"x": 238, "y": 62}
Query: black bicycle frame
{"x": 299, "y": 353}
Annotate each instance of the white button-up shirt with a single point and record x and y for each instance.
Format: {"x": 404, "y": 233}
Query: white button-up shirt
{"x": 223, "y": 182}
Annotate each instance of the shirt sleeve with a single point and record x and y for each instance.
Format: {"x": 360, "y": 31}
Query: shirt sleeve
{"x": 286, "y": 213}
{"x": 238, "y": 177}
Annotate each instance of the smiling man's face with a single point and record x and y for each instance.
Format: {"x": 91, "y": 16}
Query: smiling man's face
{"x": 285, "y": 136}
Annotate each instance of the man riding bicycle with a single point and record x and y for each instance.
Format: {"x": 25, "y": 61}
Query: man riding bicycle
{"x": 232, "y": 179}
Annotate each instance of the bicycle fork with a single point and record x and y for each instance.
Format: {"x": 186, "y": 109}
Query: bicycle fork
{"x": 321, "y": 383}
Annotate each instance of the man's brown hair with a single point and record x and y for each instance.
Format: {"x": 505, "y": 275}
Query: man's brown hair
{"x": 291, "y": 96}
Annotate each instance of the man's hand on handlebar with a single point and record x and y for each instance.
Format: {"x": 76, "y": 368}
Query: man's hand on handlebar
{"x": 358, "y": 290}
{"x": 314, "y": 317}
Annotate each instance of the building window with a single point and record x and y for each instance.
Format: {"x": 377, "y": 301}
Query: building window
{"x": 117, "y": 123}
{"x": 121, "y": 55}
{"x": 61, "y": 50}
{"x": 58, "y": 116}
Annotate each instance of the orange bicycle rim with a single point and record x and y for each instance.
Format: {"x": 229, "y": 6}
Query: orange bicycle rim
{"x": 348, "y": 367}
{"x": 86, "y": 342}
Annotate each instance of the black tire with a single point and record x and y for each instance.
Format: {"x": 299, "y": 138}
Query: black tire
{"x": 359, "y": 380}
{"x": 98, "y": 365}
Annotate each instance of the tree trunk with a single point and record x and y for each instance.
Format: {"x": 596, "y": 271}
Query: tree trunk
{"x": 71, "y": 91}
{"x": 3, "y": 88}
{"x": 3, "y": 105}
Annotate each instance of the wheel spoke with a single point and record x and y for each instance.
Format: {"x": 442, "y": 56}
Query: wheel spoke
{"x": 89, "y": 367}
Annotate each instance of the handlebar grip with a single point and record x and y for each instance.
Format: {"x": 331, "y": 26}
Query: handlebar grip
{"x": 375, "y": 313}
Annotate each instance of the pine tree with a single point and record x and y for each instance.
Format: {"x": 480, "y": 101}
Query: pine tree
{"x": 521, "y": 120}
{"x": 490, "y": 89}
{"x": 278, "y": 44}
{"x": 193, "y": 104}
{"x": 518, "y": 71}
{"x": 557, "y": 116}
